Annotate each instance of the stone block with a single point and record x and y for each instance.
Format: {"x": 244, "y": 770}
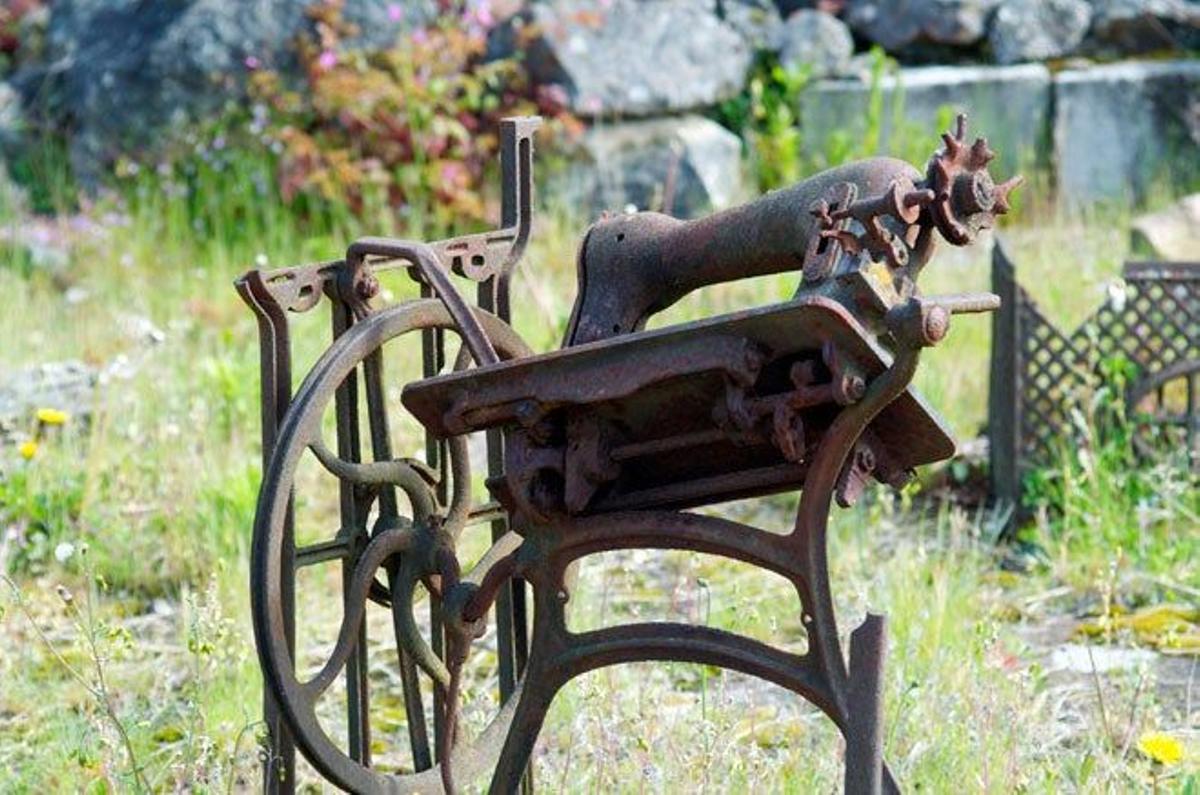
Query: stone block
{"x": 1010, "y": 105}
{"x": 1121, "y": 128}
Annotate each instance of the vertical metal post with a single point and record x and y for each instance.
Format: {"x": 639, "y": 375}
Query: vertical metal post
{"x": 1004, "y": 392}
{"x": 433, "y": 359}
{"x": 350, "y": 449}
{"x": 275, "y": 373}
{"x": 864, "y": 730}
{"x": 506, "y": 651}
{"x": 516, "y": 211}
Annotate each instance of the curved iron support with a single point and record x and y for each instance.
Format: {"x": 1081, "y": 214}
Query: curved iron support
{"x": 820, "y": 676}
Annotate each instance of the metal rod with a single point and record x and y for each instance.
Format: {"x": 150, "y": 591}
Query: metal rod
{"x": 864, "y": 731}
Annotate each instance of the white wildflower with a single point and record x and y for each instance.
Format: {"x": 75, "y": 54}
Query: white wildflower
{"x": 1117, "y": 294}
{"x": 64, "y": 551}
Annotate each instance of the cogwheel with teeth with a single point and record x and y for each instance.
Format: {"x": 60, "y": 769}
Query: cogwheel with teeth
{"x": 966, "y": 199}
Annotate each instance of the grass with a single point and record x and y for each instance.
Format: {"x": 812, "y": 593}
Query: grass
{"x": 160, "y": 487}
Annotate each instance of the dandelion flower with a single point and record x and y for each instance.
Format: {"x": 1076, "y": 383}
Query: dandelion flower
{"x": 52, "y": 416}
{"x": 28, "y": 449}
{"x": 1161, "y": 747}
{"x": 64, "y": 551}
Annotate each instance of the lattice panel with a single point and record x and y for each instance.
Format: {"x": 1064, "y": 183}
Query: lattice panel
{"x": 1154, "y": 322}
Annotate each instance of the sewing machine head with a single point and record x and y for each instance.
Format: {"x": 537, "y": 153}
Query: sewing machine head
{"x": 725, "y": 407}
{"x": 859, "y": 233}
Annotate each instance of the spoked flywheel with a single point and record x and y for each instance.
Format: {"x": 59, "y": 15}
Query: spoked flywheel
{"x": 409, "y": 550}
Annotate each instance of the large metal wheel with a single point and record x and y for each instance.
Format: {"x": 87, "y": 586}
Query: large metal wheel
{"x": 410, "y": 549}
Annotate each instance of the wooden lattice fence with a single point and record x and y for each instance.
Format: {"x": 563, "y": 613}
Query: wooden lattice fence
{"x": 1040, "y": 374}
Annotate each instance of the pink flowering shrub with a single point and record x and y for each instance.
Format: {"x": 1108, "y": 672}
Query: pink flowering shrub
{"x": 414, "y": 126}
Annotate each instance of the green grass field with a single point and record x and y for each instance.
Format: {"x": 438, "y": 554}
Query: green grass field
{"x": 127, "y": 660}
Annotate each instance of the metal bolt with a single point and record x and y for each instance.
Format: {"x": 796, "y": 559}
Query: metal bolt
{"x": 366, "y": 287}
{"x": 855, "y": 387}
{"x": 936, "y": 324}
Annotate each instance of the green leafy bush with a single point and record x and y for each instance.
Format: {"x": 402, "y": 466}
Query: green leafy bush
{"x": 1102, "y": 488}
{"x": 765, "y": 115}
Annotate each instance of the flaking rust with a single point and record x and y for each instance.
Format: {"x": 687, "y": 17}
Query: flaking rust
{"x": 601, "y": 445}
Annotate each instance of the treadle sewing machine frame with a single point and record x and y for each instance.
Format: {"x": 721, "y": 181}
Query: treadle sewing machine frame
{"x": 602, "y": 445}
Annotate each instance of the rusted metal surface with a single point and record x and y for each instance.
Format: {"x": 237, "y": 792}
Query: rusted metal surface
{"x": 1041, "y": 374}
{"x": 601, "y": 445}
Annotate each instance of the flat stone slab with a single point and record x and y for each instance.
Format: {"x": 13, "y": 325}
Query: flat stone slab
{"x": 1010, "y": 105}
{"x": 1121, "y": 128}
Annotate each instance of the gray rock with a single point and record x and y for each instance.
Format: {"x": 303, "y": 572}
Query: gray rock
{"x": 1010, "y": 105}
{"x": 12, "y": 119}
{"x": 898, "y": 24}
{"x": 788, "y": 7}
{"x": 684, "y": 166}
{"x": 758, "y": 21}
{"x": 1034, "y": 30}
{"x": 630, "y": 58}
{"x": 1140, "y": 26}
{"x": 1120, "y": 129}
{"x": 67, "y": 386}
{"x": 1170, "y": 234}
{"x": 820, "y": 41}
{"x": 122, "y": 71}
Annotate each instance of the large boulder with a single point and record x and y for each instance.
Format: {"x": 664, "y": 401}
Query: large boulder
{"x": 758, "y": 21}
{"x": 1172, "y": 234}
{"x": 1121, "y": 129}
{"x": 816, "y": 40}
{"x": 685, "y": 166}
{"x": 1131, "y": 27}
{"x": 1036, "y": 30}
{"x": 636, "y": 58}
{"x": 1010, "y": 105}
{"x": 896, "y": 25}
{"x": 119, "y": 72}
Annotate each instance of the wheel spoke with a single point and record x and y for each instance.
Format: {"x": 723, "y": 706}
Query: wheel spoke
{"x": 383, "y": 546}
{"x": 323, "y": 552}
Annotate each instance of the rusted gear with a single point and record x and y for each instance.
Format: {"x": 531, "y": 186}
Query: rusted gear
{"x": 966, "y": 199}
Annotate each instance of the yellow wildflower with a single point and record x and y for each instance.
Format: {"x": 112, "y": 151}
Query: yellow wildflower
{"x": 28, "y": 449}
{"x": 52, "y": 416}
{"x": 1161, "y": 747}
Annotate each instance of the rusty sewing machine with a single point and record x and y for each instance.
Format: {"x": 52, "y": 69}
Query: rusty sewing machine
{"x": 604, "y": 444}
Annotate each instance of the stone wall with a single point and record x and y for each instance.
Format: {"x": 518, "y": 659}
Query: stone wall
{"x": 1036, "y": 75}
{"x": 1105, "y": 132}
